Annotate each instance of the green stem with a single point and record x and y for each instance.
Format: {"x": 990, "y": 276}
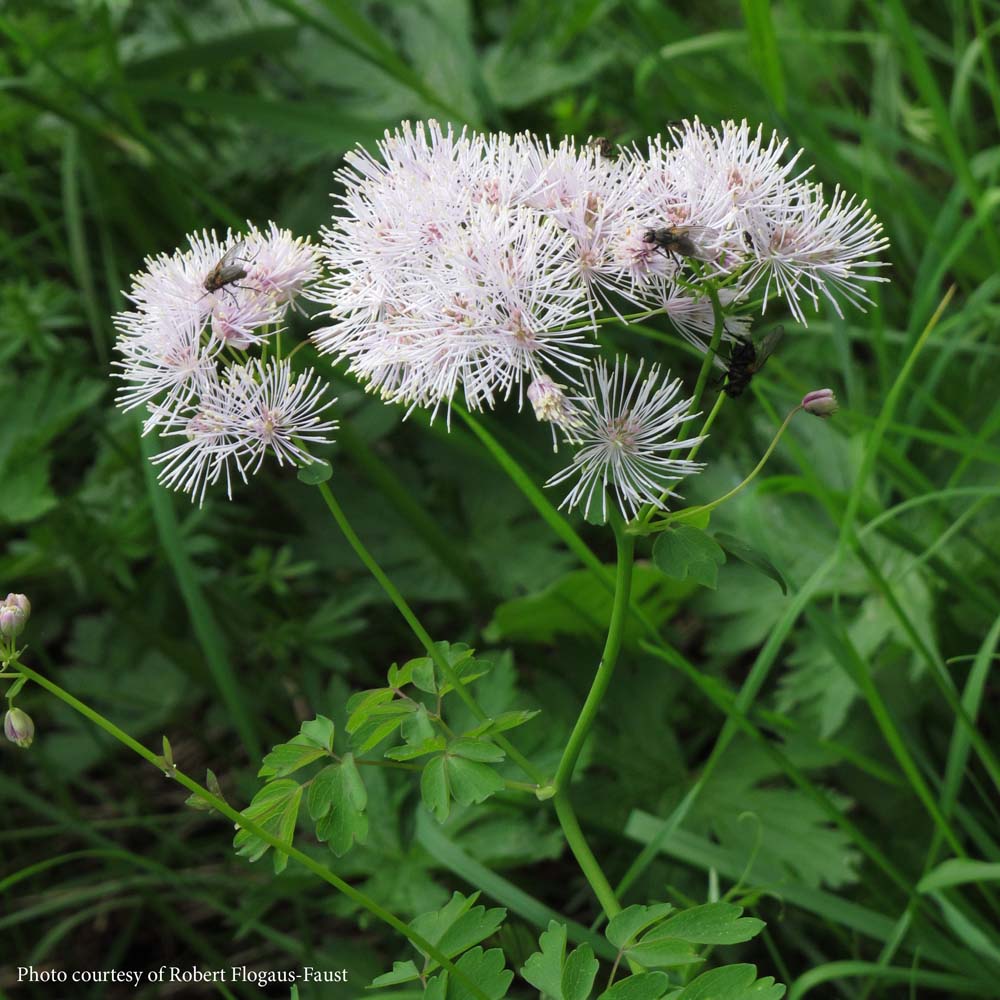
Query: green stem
{"x": 642, "y": 518}
{"x": 433, "y": 535}
{"x": 564, "y": 774}
{"x": 394, "y": 595}
{"x": 222, "y": 807}
{"x": 713, "y": 347}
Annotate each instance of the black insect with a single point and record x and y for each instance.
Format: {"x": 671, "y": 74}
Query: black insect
{"x": 746, "y": 359}
{"x": 680, "y": 241}
{"x": 227, "y": 271}
{"x": 602, "y": 146}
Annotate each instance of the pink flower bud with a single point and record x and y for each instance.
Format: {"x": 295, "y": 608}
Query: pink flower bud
{"x": 18, "y": 727}
{"x": 820, "y": 402}
{"x": 12, "y": 619}
{"x": 22, "y": 602}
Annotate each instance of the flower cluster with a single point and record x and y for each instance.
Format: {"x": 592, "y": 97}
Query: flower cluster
{"x": 194, "y": 310}
{"x": 461, "y": 260}
{"x": 478, "y": 265}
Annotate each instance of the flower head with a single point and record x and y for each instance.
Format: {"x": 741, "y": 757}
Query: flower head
{"x": 626, "y": 429}
{"x": 189, "y": 307}
{"x": 236, "y": 420}
{"x": 444, "y": 275}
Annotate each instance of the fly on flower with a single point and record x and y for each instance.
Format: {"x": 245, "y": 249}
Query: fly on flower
{"x": 747, "y": 358}
{"x": 227, "y": 270}
{"x": 681, "y": 241}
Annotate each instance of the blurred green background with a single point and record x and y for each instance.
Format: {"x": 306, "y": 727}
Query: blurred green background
{"x": 125, "y": 125}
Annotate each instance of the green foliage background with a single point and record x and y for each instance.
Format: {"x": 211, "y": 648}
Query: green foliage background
{"x": 125, "y": 125}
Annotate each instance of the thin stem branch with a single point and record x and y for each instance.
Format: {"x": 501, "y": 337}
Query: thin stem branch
{"x": 393, "y": 593}
{"x": 642, "y": 518}
{"x": 689, "y": 512}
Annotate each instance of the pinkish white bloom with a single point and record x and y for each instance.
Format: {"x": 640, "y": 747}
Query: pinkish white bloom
{"x": 809, "y": 248}
{"x": 444, "y": 278}
{"x": 626, "y": 429}
{"x": 189, "y": 308}
{"x": 236, "y": 420}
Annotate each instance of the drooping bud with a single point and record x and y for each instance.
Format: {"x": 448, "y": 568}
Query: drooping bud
{"x": 18, "y": 727}
{"x": 820, "y": 402}
{"x": 550, "y": 404}
{"x": 12, "y": 619}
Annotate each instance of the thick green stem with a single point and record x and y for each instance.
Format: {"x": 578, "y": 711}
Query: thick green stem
{"x": 394, "y": 595}
{"x": 564, "y": 774}
{"x": 222, "y": 807}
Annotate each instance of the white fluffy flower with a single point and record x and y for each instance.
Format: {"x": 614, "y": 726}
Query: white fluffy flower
{"x": 808, "y": 248}
{"x": 626, "y": 430}
{"x": 236, "y": 419}
{"x": 189, "y": 307}
{"x": 443, "y": 277}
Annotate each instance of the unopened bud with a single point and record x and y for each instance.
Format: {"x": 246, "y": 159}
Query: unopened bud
{"x": 550, "y": 403}
{"x": 12, "y": 619}
{"x": 18, "y": 727}
{"x": 820, "y": 402}
{"x": 22, "y": 602}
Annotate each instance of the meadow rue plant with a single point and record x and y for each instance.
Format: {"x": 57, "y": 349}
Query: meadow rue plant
{"x": 465, "y": 268}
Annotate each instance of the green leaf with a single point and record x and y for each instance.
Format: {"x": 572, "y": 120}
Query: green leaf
{"x": 958, "y": 871}
{"x": 638, "y": 933}
{"x": 361, "y": 704}
{"x": 417, "y": 728}
{"x": 484, "y": 968}
{"x": 286, "y": 758}
{"x": 686, "y": 552}
{"x": 748, "y": 554}
{"x": 457, "y": 926}
{"x": 578, "y": 973}
{"x": 434, "y": 788}
{"x": 557, "y": 975}
{"x": 434, "y": 745}
{"x": 402, "y": 972}
{"x": 472, "y": 781}
{"x": 276, "y": 808}
{"x": 712, "y": 923}
{"x": 337, "y": 801}
{"x": 732, "y": 982}
{"x": 645, "y": 986}
{"x": 503, "y": 722}
{"x": 660, "y": 951}
{"x": 476, "y": 750}
{"x": 624, "y": 928}
{"x": 455, "y": 777}
{"x": 316, "y": 472}
{"x": 319, "y": 731}
{"x": 380, "y": 722}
